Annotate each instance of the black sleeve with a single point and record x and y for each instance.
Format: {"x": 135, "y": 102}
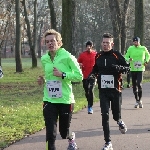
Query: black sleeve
{"x": 95, "y": 67}
{"x": 121, "y": 59}
{"x": 122, "y": 66}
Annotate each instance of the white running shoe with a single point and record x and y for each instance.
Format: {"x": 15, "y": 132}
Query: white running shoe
{"x": 71, "y": 136}
{"x": 107, "y": 146}
{"x": 140, "y": 104}
{"x": 136, "y": 104}
{"x": 72, "y": 145}
{"x": 122, "y": 127}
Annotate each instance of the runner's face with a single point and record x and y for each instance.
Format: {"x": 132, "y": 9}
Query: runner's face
{"x": 89, "y": 48}
{"x": 51, "y": 43}
{"x": 136, "y": 43}
{"x": 107, "y": 44}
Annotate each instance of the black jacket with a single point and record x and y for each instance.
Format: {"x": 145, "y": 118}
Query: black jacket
{"x": 109, "y": 63}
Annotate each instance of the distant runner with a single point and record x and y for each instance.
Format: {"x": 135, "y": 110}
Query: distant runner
{"x": 138, "y": 57}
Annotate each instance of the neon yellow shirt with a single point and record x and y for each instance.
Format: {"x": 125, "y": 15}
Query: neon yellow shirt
{"x": 64, "y": 62}
{"x": 140, "y": 55}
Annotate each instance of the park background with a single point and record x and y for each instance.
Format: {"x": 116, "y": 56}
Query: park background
{"x": 22, "y": 24}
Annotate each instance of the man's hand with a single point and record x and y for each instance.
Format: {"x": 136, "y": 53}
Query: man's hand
{"x": 130, "y": 59}
{"x": 145, "y": 64}
{"x": 57, "y": 73}
{"x": 81, "y": 65}
{"x": 91, "y": 76}
{"x": 40, "y": 80}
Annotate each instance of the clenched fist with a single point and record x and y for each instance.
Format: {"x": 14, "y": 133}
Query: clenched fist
{"x": 40, "y": 80}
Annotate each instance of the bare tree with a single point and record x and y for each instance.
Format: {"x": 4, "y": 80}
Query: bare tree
{"x": 5, "y": 21}
{"x": 34, "y": 47}
{"x": 119, "y": 18}
{"x": 39, "y": 39}
{"x": 92, "y": 20}
{"x": 18, "y": 38}
{"x": 124, "y": 26}
{"x": 2, "y": 41}
{"x": 31, "y": 37}
{"x": 139, "y": 20}
{"x": 52, "y": 14}
{"x": 68, "y": 24}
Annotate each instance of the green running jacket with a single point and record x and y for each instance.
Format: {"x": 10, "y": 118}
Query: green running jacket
{"x": 140, "y": 55}
{"x": 64, "y": 62}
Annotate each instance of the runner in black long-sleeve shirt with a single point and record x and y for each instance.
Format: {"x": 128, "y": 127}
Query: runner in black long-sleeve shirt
{"x": 109, "y": 65}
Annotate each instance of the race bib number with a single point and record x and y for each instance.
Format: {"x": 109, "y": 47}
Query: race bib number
{"x": 107, "y": 81}
{"x": 137, "y": 64}
{"x": 54, "y": 89}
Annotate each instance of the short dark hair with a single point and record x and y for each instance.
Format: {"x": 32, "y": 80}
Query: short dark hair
{"x": 136, "y": 39}
{"x": 107, "y": 35}
{"x": 89, "y": 43}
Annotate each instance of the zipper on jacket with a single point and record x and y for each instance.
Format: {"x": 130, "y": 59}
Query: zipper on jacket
{"x": 105, "y": 62}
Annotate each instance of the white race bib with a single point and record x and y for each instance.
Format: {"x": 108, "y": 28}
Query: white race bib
{"x": 137, "y": 64}
{"x": 54, "y": 88}
{"x": 107, "y": 81}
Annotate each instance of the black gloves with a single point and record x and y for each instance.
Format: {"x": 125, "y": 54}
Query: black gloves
{"x": 121, "y": 69}
{"x": 91, "y": 76}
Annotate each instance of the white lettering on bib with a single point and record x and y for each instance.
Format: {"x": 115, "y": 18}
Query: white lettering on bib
{"x": 137, "y": 64}
{"x": 107, "y": 81}
{"x": 54, "y": 89}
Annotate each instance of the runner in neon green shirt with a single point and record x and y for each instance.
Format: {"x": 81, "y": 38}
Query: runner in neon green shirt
{"x": 67, "y": 64}
{"x": 60, "y": 69}
{"x": 138, "y": 57}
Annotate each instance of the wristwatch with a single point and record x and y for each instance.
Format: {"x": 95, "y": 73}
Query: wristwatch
{"x": 63, "y": 75}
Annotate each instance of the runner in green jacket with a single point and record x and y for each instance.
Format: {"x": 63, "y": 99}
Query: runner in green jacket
{"x": 138, "y": 57}
{"x": 67, "y": 64}
{"x": 60, "y": 69}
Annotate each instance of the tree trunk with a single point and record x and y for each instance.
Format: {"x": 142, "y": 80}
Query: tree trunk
{"x": 18, "y": 38}
{"x": 116, "y": 19}
{"x": 32, "y": 43}
{"x": 34, "y": 59}
{"x": 39, "y": 46}
{"x": 68, "y": 24}
{"x": 119, "y": 19}
{"x": 39, "y": 39}
{"x": 74, "y": 32}
{"x": 5, "y": 49}
{"x": 52, "y": 14}
{"x": 33, "y": 51}
{"x": 139, "y": 20}
{"x": 123, "y": 27}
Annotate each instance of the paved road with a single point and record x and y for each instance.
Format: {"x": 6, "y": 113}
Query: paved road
{"x": 89, "y": 132}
